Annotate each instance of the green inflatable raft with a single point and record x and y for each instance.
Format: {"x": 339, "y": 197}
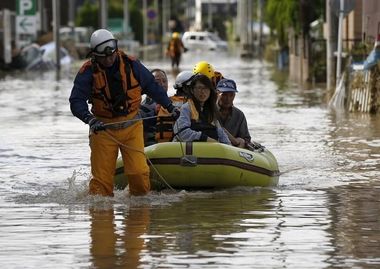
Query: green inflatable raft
{"x": 199, "y": 165}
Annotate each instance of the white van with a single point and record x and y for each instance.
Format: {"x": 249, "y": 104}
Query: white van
{"x": 203, "y": 41}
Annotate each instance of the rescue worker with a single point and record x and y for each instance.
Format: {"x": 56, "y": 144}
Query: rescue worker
{"x": 198, "y": 121}
{"x": 165, "y": 122}
{"x": 113, "y": 83}
{"x": 150, "y": 108}
{"x": 208, "y": 70}
{"x": 230, "y": 117}
{"x": 175, "y": 49}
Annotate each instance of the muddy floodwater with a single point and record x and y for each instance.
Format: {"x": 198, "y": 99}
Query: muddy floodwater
{"x": 325, "y": 212}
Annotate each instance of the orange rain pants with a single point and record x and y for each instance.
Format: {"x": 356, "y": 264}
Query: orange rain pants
{"x": 104, "y": 152}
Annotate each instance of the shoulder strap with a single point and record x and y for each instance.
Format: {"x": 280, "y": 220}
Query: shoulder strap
{"x": 85, "y": 66}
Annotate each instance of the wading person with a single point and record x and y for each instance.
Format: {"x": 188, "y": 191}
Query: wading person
{"x": 113, "y": 83}
{"x": 197, "y": 120}
{"x": 230, "y": 117}
{"x": 175, "y": 49}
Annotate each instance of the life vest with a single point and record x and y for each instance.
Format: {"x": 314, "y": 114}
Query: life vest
{"x": 165, "y": 122}
{"x": 217, "y": 77}
{"x": 122, "y": 97}
{"x": 199, "y": 122}
{"x": 174, "y": 47}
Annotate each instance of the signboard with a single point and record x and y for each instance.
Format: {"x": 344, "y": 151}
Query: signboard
{"x": 26, "y": 24}
{"x": 26, "y": 21}
{"x": 26, "y": 7}
{"x": 151, "y": 14}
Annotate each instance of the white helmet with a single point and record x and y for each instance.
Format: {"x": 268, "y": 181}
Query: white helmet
{"x": 183, "y": 79}
{"x": 103, "y": 43}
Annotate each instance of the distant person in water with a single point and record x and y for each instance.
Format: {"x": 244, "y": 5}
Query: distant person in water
{"x": 175, "y": 49}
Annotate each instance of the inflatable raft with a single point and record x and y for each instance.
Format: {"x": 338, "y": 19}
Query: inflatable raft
{"x": 198, "y": 165}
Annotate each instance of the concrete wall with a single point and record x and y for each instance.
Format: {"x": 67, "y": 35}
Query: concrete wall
{"x": 353, "y": 26}
{"x": 371, "y": 19}
{"x": 299, "y": 57}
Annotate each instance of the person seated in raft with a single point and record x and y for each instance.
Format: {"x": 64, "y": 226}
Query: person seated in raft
{"x": 197, "y": 120}
{"x": 150, "y": 108}
{"x": 165, "y": 121}
{"x": 229, "y": 116}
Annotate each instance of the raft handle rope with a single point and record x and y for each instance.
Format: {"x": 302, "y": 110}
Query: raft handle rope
{"x": 128, "y": 121}
{"x": 184, "y": 156}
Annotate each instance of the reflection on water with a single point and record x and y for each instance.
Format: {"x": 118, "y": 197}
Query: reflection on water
{"x": 117, "y": 239}
{"x": 355, "y": 226}
{"x": 323, "y": 214}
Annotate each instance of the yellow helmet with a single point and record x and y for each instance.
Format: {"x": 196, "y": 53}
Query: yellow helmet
{"x": 204, "y": 68}
{"x": 175, "y": 35}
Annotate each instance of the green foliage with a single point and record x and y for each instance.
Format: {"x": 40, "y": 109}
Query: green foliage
{"x": 136, "y": 20}
{"x": 88, "y": 15}
{"x": 281, "y": 15}
{"x": 115, "y": 9}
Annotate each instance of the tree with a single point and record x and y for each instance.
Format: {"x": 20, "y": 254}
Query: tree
{"x": 281, "y": 15}
{"x": 88, "y": 15}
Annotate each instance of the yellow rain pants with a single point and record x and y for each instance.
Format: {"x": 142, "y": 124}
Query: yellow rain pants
{"x": 104, "y": 151}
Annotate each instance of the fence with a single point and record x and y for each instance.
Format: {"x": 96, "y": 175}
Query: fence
{"x": 364, "y": 90}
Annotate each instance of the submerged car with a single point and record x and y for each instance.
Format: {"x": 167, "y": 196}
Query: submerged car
{"x": 35, "y": 57}
{"x": 203, "y": 41}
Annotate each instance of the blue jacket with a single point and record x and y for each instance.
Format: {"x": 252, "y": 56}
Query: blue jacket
{"x": 81, "y": 91}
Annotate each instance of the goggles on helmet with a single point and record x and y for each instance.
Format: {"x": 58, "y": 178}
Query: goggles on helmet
{"x": 105, "y": 48}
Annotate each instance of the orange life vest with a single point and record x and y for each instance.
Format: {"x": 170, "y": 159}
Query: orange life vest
{"x": 165, "y": 122}
{"x": 175, "y": 46}
{"x": 101, "y": 97}
{"x": 217, "y": 77}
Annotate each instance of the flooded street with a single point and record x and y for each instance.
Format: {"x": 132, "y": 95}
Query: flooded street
{"x": 325, "y": 212}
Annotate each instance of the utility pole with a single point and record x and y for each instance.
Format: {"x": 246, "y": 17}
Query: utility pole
{"x": 339, "y": 59}
{"x": 164, "y": 17}
{"x": 209, "y": 17}
{"x": 126, "y": 19}
{"x": 103, "y": 13}
{"x": 332, "y": 34}
{"x": 71, "y": 14}
{"x": 56, "y": 25}
{"x": 198, "y": 15}
{"x": 245, "y": 15}
{"x": 145, "y": 23}
{"x": 260, "y": 19}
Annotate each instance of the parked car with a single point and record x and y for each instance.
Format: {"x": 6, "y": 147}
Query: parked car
{"x": 35, "y": 57}
{"x": 203, "y": 41}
